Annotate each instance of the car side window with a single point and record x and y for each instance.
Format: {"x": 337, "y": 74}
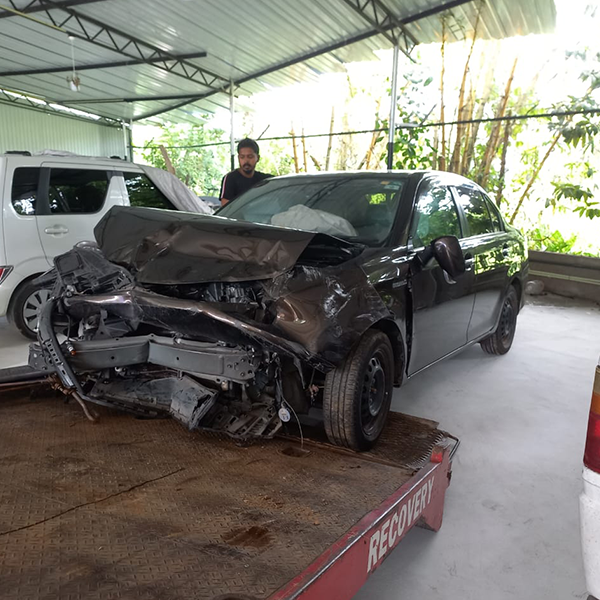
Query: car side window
{"x": 77, "y": 191}
{"x": 142, "y": 192}
{"x": 475, "y": 209}
{"x": 24, "y": 190}
{"x": 435, "y": 215}
{"x": 494, "y": 214}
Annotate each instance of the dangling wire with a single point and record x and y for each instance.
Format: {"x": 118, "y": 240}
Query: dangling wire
{"x": 284, "y": 401}
{"x": 72, "y": 40}
{"x": 297, "y": 421}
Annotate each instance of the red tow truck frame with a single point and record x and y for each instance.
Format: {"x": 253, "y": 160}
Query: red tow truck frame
{"x": 343, "y": 569}
{"x": 119, "y": 507}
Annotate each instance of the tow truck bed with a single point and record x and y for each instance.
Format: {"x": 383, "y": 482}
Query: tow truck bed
{"x": 143, "y": 509}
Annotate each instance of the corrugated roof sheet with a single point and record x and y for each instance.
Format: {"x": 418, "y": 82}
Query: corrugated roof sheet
{"x": 241, "y": 40}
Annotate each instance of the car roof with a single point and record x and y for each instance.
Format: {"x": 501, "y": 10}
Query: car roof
{"x": 26, "y": 158}
{"x": 417, "y": 173}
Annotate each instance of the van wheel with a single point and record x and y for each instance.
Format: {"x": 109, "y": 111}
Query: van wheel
{"x": 26, "y": 306}
{"x": 501, "y": 340}
{"x": 358, "y": 393}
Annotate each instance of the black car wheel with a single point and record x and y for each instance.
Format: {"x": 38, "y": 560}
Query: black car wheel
{"x": 501, "y": 340}
{"x": 25, "y": 308}
{"x": 358, "y": 393}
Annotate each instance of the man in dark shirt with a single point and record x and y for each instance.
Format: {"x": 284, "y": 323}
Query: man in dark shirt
{"x": 236, "y": 182}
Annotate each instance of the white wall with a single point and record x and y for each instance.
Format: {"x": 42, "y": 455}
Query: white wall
{"x": 24, "y": 129}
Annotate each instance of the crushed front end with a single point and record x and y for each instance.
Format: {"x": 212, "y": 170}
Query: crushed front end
{"x": 162, "y": 324}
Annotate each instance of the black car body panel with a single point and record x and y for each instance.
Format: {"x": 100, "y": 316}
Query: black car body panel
{"x": 250, "y": 317}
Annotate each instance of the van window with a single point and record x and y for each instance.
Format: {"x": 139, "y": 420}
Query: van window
{"x": 24, "y": 189}
{"x": 142, "y": 192}
{"x": 77, "y": 191}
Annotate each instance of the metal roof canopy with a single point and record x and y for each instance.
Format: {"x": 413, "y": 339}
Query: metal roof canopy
{"x": 176, "y": 59}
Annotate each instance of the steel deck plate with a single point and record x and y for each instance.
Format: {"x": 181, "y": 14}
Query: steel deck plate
{"x": 143, "y": 509}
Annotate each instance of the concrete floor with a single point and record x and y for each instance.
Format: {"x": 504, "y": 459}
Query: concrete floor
{"x": 511, "y": 521}
{"x": 511, "y": 524}
{"x": 13, "y": 346}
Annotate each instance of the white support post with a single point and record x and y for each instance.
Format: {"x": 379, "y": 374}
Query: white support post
{"x": 393, "y": 107}
{"x": 231, "y": 132}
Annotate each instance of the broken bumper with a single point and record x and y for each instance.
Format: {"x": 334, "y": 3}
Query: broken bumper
{"x": 213, "y": 361}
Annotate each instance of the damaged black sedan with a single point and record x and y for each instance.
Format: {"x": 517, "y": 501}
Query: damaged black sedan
{"x": 307, "y": 293}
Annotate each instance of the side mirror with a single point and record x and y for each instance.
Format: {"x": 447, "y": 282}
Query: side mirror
{"x": 448, "y": 253}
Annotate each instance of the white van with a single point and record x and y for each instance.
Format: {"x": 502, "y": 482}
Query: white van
{"x": 50, "y": 202}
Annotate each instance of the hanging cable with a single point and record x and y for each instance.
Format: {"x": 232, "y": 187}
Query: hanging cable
{"x": 73, "y": 80}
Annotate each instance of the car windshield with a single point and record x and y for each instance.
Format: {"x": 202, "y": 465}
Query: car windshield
{"x": 361, "y": 209}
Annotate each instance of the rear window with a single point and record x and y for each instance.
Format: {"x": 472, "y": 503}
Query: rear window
{"x": 24, "y": 190}
{"x": 142, "y": 192}
{"x": 77, "y": 191}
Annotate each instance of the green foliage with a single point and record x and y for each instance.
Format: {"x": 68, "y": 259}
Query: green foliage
{"x": 542, "y": 238}
{"x": 581, "y": 133}
{"x": 201, "y": 168}
{"x": 276, "y": 158}
{"x": 577, "y": 192}
{"x": 413, "y": 145}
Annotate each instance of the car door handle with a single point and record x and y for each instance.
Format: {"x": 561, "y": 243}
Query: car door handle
{"x": 506, "y": 251}
{"x": 469, "y": 262}
{"x": 57, "y": 230}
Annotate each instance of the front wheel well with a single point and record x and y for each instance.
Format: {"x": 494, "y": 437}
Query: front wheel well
{"x": 395, "y": 336}
{"x": 11, "y": 302}
{"x": 516, "y": 283}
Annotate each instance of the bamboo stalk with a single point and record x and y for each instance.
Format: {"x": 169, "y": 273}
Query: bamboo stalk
{"x": 502, "y": 175}
{"x": 304, "y": 152}
{"x": 367, "y": 158}
{"x": 487, "y": 88}
{"x": 460, "y": 128}
{"x": 167, "y": 159}
{"x": 328, "y": 155}
{"x": 467, "y": 134}
{"x": 295, "y": 150}
{"x": 534, "y": 177}
{"x": 315, "y": 162}
{"x": 495, "y": 132}
{"x": 442, "y": 157}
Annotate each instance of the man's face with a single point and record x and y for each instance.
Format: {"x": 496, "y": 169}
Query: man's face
{"x": 248, "y": 159}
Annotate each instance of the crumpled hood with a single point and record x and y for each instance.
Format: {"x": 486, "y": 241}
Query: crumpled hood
{"x": 166, "y": 247}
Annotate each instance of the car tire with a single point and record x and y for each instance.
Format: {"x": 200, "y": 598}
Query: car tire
{"x": 501, "y": 340}
{"x": 25, "y": 307}
{"x": 358, "y": 393}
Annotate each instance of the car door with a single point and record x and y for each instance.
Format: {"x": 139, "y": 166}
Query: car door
{"x": 490, "y": 246}
{"x": 442, "y": 307}
{"x": 75, "y": 198}
{"x": 24, "y": 248}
